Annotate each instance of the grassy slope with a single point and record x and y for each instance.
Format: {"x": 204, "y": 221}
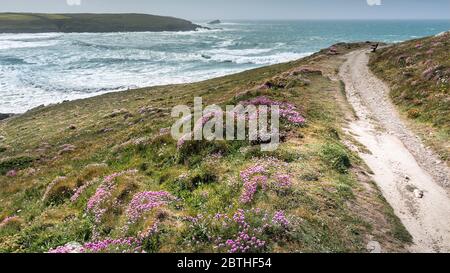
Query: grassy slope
{"x": 333, "y": 207}
{"x": 419, "y": 74}
{"x": 34, "y": 22}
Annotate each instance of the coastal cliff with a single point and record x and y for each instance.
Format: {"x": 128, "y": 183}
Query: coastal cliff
{"x": 37, "y": 23}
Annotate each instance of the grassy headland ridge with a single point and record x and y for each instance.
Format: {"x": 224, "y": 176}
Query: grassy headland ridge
{"x": 84, "y": 171}
{"x": 418, "y": 72}
{"x": 37, "y": 22}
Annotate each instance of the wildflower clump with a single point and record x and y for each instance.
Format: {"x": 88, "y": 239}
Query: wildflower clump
{"x": 244, "y": 231}
{"x": 120, "y": 245}
{"x": 253, "y": 177}
{"x": 279, "y": 218}
{"x": 11, "y": 173}
{"x": 68, "y": 248}
{"x": 146, "y": 201}
{"x": 198, "y": 125}
{"x": 263, "y": 175}
{"x": 97, "y": 204}
{"x": 284, "y": 180}
{"x": 80, "y": 190}
{"x": 288, "y": 111}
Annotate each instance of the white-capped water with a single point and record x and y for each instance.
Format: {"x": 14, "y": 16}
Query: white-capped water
{"x": 47, "y": 68}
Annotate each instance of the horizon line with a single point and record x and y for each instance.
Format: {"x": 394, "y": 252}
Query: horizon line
{"x": 242, "y": 19}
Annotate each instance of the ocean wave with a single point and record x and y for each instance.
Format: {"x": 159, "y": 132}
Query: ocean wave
{"x": 161, "y": 45}
{"x": 260, "y": 60}
{"x": 98, "y": 46}
{"x": 227, "y": 43}
{"x": 232, "y": 24}
{"x": 239, "y": 52}
{"x": 191, "y": 32}
{"x": 51, "y": 93}
{"x": 118, "y": 60}
{"x": 24, "y": 37}
{"x": 47, "y": 68}
{"x": 10, "y": 44}
{"x": 13, "y": 41}
{"x": 161, "y": 58}
{"x": 10, "y": 60}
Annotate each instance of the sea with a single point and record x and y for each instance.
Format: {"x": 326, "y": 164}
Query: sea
{"x": 45, "y": 68}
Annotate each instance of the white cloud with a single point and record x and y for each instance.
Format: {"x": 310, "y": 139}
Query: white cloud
{"x": 73, "y": 2}
{"x": 374, "y": 2}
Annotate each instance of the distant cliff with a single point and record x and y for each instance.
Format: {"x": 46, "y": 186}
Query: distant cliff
{"x": 35, "y": 23}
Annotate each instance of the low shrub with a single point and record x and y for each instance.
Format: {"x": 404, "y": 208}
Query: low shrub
{"x": 16, "y": 163}
{"x": 10, "y": 225}
{"x": 58, "y": 191}
{"x": 285, "y": 155}
{"x": 310, "y": 177}
{"x": 39, "y": 237}
{"x": 336, "y": 156}
{"x": 413, "y": 113}
{"x": 193, "y": 152}
{"x": 203, "y": 175}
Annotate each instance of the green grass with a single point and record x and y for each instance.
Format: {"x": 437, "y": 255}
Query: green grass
{"x": 323, "y": 170}
{"x": 16, "y": 163}
{"x": 418, "y": 72}
{"x": 17, "y": 17}
{"x": 37, "y": 22}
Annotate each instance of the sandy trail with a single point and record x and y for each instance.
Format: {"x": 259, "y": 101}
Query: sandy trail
{"x": 403, "y": 168}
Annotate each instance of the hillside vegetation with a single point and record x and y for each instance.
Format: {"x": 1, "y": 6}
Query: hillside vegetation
{"x": 104, "y": 174}
{"x": 34, "y": 23}
{"x": 418, "y": 72}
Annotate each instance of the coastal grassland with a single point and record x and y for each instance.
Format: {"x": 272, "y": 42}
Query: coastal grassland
{"x": 328, "y": 203}
{"x": 44, "y": 22}
{"x": 418, "y": 73}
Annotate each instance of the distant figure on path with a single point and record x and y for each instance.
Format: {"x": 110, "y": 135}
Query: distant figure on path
{"x": 375, "y": 47}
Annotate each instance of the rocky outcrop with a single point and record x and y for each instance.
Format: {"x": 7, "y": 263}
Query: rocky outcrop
{"x": 215, "y": 22}
{"x": 5, "y": 116}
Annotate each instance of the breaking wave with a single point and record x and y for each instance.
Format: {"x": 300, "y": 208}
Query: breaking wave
{"x": 47, "y": 68}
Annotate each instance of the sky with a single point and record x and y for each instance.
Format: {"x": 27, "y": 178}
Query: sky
{"x": 245, "y": 9}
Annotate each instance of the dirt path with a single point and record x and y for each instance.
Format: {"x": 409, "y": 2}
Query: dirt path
{"x": 411, "y": 177}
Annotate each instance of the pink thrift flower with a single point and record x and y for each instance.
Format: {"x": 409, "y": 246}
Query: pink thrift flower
{"x": 280, "y": 219}
{"x": 146, "y": 201}
{"x": 11, "y": 173}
